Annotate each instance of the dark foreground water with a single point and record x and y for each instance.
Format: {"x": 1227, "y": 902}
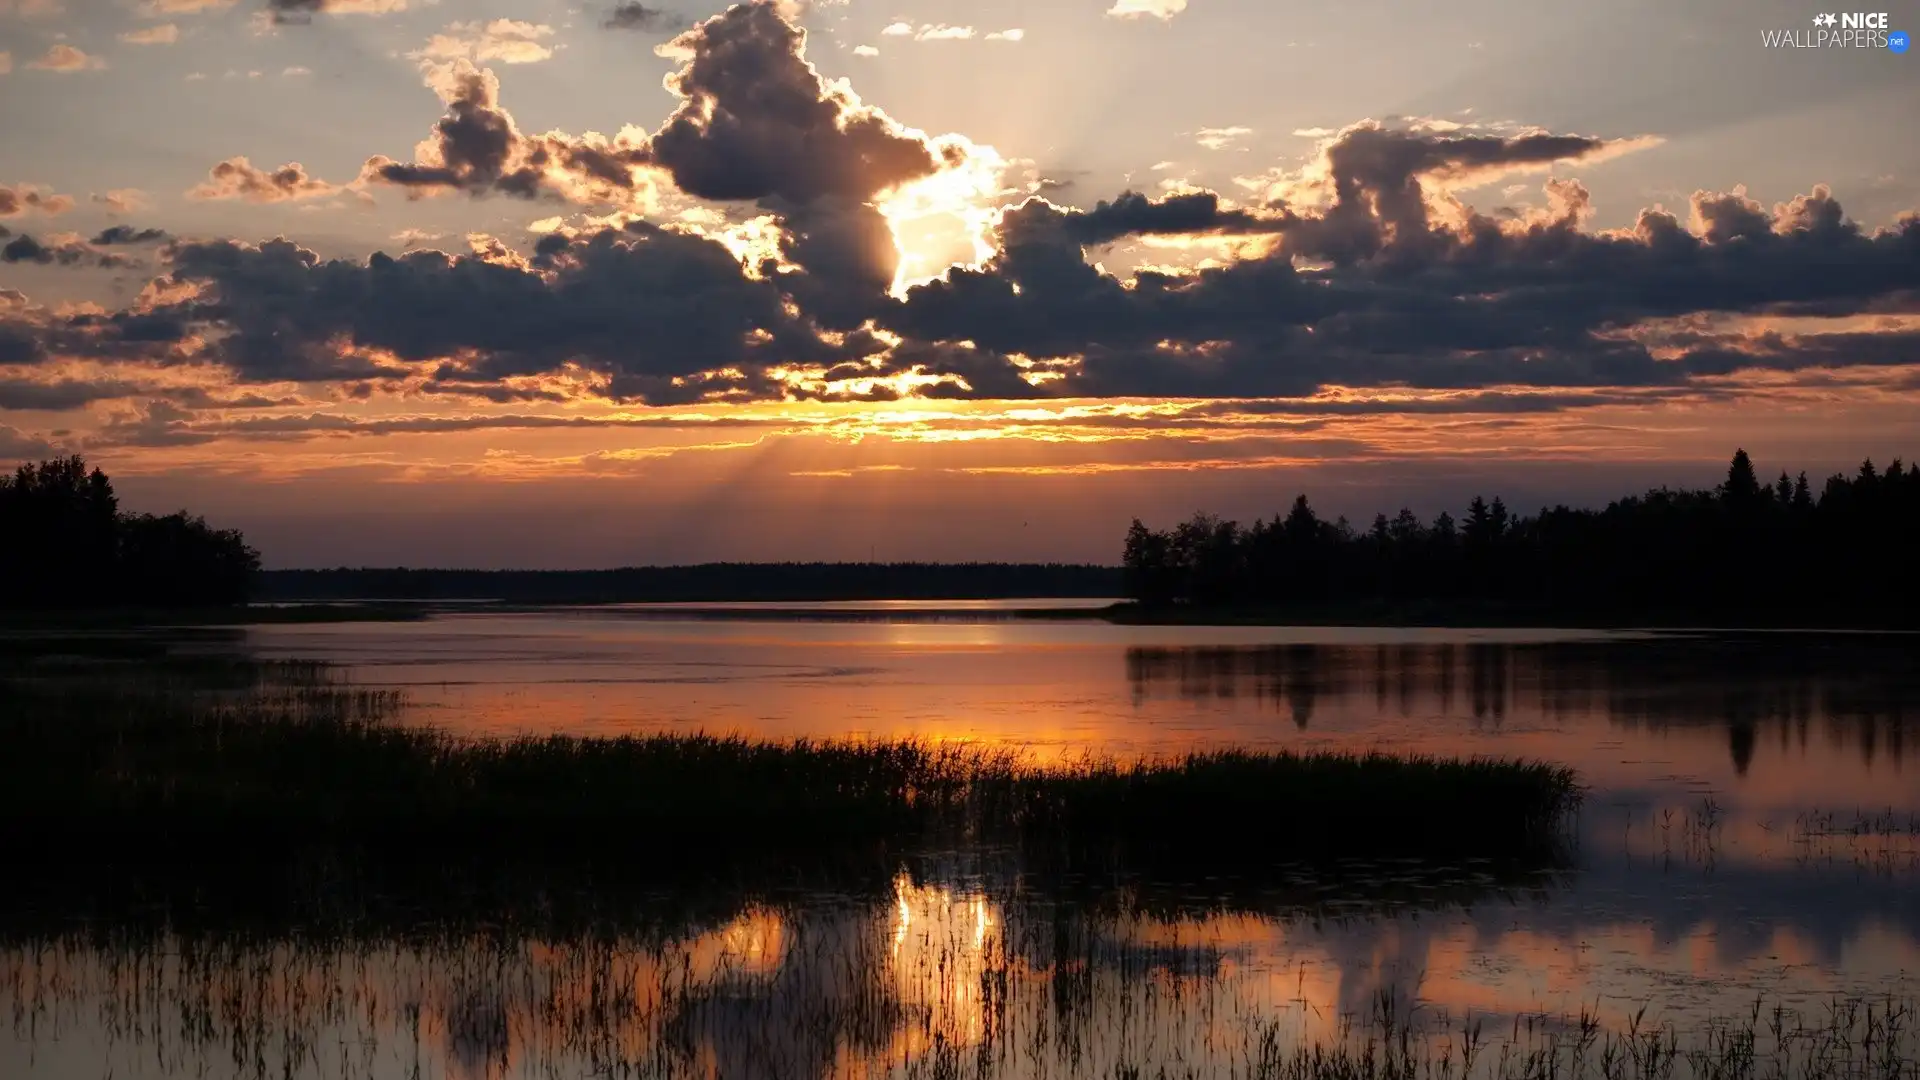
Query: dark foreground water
{"x": 1752, "y": 832}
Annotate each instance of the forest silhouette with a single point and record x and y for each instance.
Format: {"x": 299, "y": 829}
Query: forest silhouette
{"x": 1745, "y": 551}
{"x": 65, "y": 543}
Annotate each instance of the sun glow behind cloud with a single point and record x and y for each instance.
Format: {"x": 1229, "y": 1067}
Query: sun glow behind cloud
{"x": 288, "y": 425}
{"x": 946, "y": 219}
{"x": 826, "y": 475}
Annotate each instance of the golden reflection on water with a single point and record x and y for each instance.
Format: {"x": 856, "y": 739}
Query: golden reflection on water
{"x": 951, "y": 974}
{"x": 944, "y": 948}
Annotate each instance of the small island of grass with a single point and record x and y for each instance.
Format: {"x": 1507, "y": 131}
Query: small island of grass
{"x": 305, "y": 769}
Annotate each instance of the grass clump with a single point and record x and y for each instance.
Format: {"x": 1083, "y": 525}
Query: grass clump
{"x": 1314, "y": 807}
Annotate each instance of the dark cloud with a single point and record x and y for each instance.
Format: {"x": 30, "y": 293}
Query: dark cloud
{"x": 1524, "y": 300}
{"x": 1378, "y": 177}
{"x": 168, "y": 419}
{"x": 473, "y": 143}
{"x": 847, "y": 255}
{"x": 60, "y": 395}
{"x": 26, "y": 249}
{"x": 633, "y": 16}
{"x": 319, "y": 424}
{"x": 144, "y": 327}
{"x": 478, "y": 149}
{"x": 301, "y": 12}
{"x": 1527, "y": 306}
{"x": 294, "y": 11}
{"x": 32, "y": 334}
{"x": 498, "y": 393}
{"x": 160, "y": 423}
{"x": 757, "y": 121}
{"x": 1134, "y": 214}
{"x": 1726, "y": 217}
{"x": 653, "y": 314}
{"x": 64, "y": 394}
{"x": 127, "y": 234}
{"x": 651, "y": 311}
{"x": 986, "y": 374}
{"x": 20, "y": 345}
{"x": 15, "y": 443}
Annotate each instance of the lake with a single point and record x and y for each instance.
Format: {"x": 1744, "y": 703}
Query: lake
{"x": 1751, "y": 833}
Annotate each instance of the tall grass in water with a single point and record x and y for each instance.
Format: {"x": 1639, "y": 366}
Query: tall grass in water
{"x": 1849, "y": 1039}
{"x": 846, "y": 994}
{"x": 1201, "y": 807}
{"x": 296, "y": 762}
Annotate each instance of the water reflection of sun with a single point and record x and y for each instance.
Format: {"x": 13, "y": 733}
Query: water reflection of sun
{"x": 945, "y": 945}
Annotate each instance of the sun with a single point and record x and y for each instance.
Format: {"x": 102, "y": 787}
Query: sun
{"x": 946, "y": 219}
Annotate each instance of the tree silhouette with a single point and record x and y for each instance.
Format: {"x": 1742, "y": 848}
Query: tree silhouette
{"x": 65, "y": 543}
{"x": 1743, "y": 484}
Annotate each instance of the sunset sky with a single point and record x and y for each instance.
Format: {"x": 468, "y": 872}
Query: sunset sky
{"x": 555, "y": 284}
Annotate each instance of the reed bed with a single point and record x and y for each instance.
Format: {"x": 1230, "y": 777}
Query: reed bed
{"x": 295, "y": 762}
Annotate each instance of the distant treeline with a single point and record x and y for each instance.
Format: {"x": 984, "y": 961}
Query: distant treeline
{"x": 1744, "y": 551}
{"x": 64, "y": 543}
{"x": 706, "y": 582}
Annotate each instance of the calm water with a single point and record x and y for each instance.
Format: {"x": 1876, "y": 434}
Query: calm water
{"x": 1752, "y": 831}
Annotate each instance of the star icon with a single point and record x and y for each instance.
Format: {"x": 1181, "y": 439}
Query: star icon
{"x": 1828, "y": 19}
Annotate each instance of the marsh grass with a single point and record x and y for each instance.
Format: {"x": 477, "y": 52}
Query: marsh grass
{"x": 1884, "y": 843}
{"x": 1813, "y": 826}
{"x": 1201, "y": 807}
{"x": 1845, "y": 1039}
{"x": 259, "y": 796}
{"x": 287, "y": 758}
{"x": 852, "y": 992}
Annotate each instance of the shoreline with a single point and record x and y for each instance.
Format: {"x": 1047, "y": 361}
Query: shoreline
{"x": 1125, "y": 613}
